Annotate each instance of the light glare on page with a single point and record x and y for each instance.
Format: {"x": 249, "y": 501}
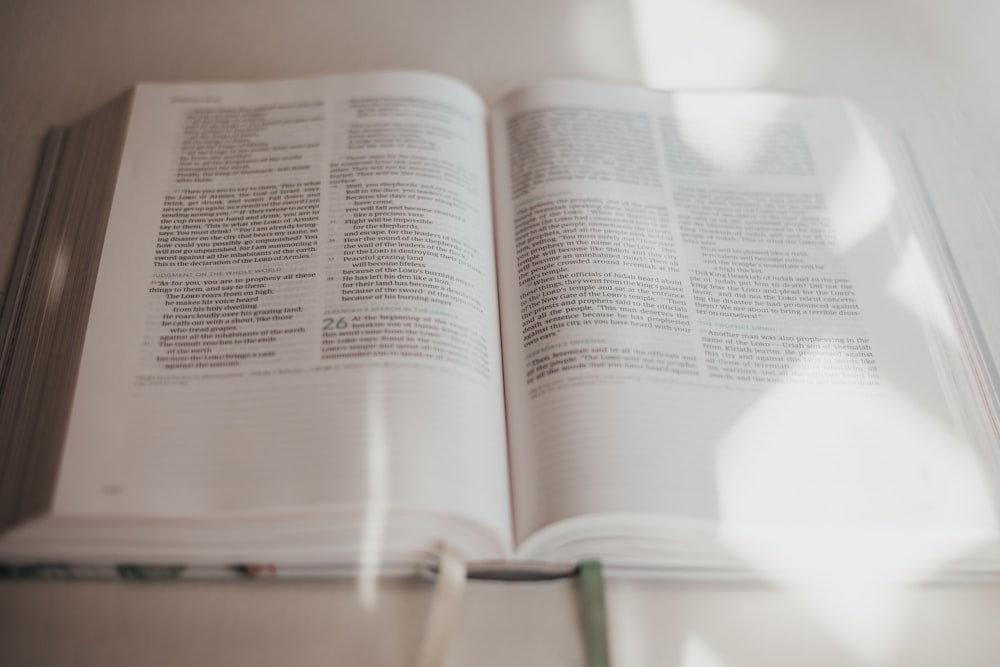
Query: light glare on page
{"x": 696, "y": 653}
{"x": 863, "y": 194}
{"x": 886, "y": 463}
{"x": 874, "y": 512}
{"x": 731, "y": 146}
{"x": 703, "y": 43}
{"x": 909, "y": 285}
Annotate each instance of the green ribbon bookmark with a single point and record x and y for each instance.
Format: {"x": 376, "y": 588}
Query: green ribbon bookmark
{"x": 595, "y": 626}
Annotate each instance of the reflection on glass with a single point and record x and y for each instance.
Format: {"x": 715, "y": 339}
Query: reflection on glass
{"x": 376, "y": 507}
{"x": 696, "y": 652}
{"x": 703, "y": 43}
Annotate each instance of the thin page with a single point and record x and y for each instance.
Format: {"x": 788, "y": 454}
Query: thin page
{"x": 296, "y": 308}
{"x": 710, "y": 317}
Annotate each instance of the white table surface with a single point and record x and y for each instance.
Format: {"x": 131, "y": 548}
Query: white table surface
{"x": 928, "y": 68}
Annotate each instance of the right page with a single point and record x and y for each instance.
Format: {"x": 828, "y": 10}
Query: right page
{"x": 716, "y": 327}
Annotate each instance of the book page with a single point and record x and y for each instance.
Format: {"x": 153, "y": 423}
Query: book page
{"x": 709, "y": 315}
{"x": 296, "y": 308}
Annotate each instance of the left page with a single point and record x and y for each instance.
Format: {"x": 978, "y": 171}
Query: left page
{"x": 295, "y": 311}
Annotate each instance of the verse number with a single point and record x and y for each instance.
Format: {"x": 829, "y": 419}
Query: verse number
{"x": 329, "y": 324}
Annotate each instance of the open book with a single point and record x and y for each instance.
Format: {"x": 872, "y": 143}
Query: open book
{"x": 337, "y": 320}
